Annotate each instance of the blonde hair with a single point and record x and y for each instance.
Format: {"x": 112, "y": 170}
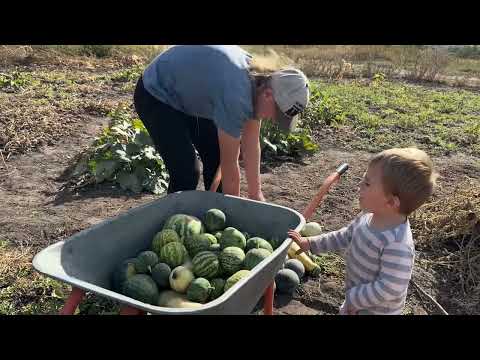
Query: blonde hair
{"x": 266, "y": 63}
{"x": 261, "y": 68}
{"x": 407, "y": 173}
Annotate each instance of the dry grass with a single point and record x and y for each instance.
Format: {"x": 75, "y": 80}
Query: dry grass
{"x": 450, "y": 217}
{"x": 355, "y": 61}
{"x": 41, "y": 107}
{"x": 23, "y": 128}
{"x": 12, "y": 260}
{"x": 466, "y": 67}
{"x": 450, "y": 227}
{"x": 269, "y": 62}
{"x": 13, "y": 54}
{"x": 23, "y": 290}
{"x": 88, "y": 56}
{"x": 332, "y": 61}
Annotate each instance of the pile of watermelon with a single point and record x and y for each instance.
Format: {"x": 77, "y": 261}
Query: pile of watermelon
{"x": 288, "y": 278}
{"x": 192, "y": 262}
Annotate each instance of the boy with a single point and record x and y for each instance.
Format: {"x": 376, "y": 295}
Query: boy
{"x": 379, "y": 245}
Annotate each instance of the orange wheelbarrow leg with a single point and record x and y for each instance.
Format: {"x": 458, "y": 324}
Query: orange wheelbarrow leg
{"x": 268, "y": 300}
{"x": 73, "y": 300}
{"x": 128, "y": 310}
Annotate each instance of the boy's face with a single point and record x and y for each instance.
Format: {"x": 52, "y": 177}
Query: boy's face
{"x": 372, "y": 197}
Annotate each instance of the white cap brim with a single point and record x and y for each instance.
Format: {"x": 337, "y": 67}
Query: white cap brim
{"x": 285, "y": 122}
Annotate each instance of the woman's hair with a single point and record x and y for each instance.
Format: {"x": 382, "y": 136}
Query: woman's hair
{"x": 407, "y": 173}
{"x": 267, "y": 63}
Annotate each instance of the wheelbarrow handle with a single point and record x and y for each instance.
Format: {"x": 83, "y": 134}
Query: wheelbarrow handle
{"x": 327, "y": 183}
{"x": 308, "y": 212}
{"x": 342, "y": 169}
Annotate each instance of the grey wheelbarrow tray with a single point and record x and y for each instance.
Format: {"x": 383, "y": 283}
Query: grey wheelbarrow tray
{"x": 87, "y": 259}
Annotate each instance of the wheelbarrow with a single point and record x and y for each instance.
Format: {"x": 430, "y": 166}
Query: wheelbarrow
{"x": 87, "y": 259}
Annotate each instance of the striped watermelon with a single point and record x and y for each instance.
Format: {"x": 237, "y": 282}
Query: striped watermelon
{"x": 215, "y": 220}
{"x": 211, "y": 238}
{"x": 218, "y": 285}
{"x": 184, "y": 225}
{"x": 149, "y": 258}
{"x": 255, "y": 257}
{"x": 164, "y": 237}
{"x": 287, "y": 281}
{"x": 160, "y": 274}
{"x": 173, "y": 254}
{"x": 232, "y": 237}
{"x": 199, "y": 290}
{"x": 216, "y": 248}
{"x": 123, "y": 272}
{"x": 205, "y": 264}
{"x": 218, "y": 235}
{"x": 231, "y": 259}
{"x": 258, "y": 243}
{"x": 141, "y": 287}
{"x": 232, "y": 280}
{"x": 199, "y": 242}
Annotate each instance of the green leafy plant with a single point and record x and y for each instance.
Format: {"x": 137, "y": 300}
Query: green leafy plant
{"x": 124, "y": 154}
{"x": 275, "y": 142}
{"x": 323, "y": 108}
{"x": 130, "y": 74}
{"x": 378, "y": 79}
{"x": 14, "y": 81}
{"x": 359, "y": 110}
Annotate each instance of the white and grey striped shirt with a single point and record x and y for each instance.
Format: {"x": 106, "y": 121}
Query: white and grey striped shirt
{"x": 379, "y": 263}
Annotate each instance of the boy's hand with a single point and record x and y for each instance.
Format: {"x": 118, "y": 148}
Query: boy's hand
{"x": 350, "y": 310}
{"x": 301, "y": 241}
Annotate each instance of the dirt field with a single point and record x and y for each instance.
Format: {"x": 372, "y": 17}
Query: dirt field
{"x": 38, "y": 209}
{"x": 36, "y": 212}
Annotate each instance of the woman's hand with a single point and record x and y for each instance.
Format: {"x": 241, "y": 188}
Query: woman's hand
{"x": 301, "y": 241}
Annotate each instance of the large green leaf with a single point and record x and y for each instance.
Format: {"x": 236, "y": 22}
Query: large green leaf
{"x": 117, "y": 146}
{"x": 141, "y": 172}
{"x": 104, "y": 170}
{"x": 138, "y": 124}
{"x": 150, "y": 152}
{"x": 132, "y": 149}
{"x": 142, "y": 138}
{"x": 269, "y": 145}
{"x": 155, "y": 185}
{"x": 120, "y": 131}
{"x": 129, "y": 181}
{"x": 122, "y": 155}
{"x": 124, "y": 152}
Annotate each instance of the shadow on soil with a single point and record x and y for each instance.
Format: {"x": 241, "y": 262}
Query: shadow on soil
{"x": 76, "y": 187}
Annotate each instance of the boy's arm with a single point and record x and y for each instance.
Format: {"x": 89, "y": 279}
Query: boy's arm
{"x": 331, "y": 241}
{"x": 396, "y": 264}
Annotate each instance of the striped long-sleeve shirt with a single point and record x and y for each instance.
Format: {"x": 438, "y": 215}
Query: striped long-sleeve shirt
{"x": 379, "y": 263}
